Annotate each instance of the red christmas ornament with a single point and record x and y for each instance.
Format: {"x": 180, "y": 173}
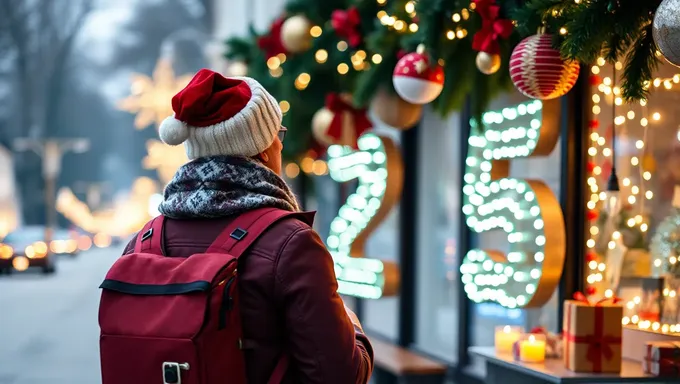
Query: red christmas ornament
{"x": 538, "y": 71}
{"x": 416, "y": 80}
{"x": 591, "y": 290}
{"x": 271, "y": 43}
{"x": 493, "y": 28}
{"x": 591, "y": 215}
{"x": 347, "y": 25}
{"x": 594, "y": 124}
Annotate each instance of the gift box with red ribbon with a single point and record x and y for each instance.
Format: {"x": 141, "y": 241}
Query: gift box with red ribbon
{"x": 662, "y": 358}
{"x": 592, "y": 335}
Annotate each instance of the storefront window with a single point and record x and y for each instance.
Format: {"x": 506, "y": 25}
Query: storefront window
{"x": 438, "y": 252}
{"x": 633, "y": 246}
{"x": 485, "y": 316}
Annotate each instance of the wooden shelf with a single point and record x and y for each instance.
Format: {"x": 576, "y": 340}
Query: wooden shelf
{"x": 503, "y": 369}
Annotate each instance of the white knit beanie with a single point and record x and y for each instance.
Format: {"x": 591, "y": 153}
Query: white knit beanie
{"x": 215, "y": 115}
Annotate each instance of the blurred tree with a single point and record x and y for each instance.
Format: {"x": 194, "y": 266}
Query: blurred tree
{"x": 36, "y": 38}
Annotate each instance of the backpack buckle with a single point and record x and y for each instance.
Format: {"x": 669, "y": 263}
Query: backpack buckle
{"x": 147, "y": 234}
{"x": 238, "y": 233}
{"x": 172, "y": 372}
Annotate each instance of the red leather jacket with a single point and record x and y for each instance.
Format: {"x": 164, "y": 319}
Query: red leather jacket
{"x": 289, "y": 302}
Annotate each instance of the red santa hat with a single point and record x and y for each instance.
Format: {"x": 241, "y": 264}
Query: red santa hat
{"x": 215, "y": 115}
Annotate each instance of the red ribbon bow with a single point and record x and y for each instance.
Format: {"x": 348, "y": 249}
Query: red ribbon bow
{"x": 579, "y": 296}
{"x": 338, "y": 106}
{"x": 493, "y": 28}
{"x": 347, "y": 25}
{"x": 599, "y": 344}
{"x": 271, "y": 43}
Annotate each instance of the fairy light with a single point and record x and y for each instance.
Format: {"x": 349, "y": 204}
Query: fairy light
{"x": 635, "y": 187}
{"x": 315, "y": 31}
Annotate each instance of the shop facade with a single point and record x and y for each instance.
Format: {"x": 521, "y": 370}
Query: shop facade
{"x": 428, "y": 233}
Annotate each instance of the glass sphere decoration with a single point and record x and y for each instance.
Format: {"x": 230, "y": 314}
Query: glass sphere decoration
{"x": 295, "y": 34}
{"x": 538, "y": 70}
{"x": 416, "y": 80}
{"x": 488, "y": 63}
{"x": 666, "y": 30}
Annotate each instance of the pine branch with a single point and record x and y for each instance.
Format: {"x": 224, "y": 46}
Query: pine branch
{"x": 641, "y": 63}
{"x": 535, "y": 13}
{"x": 590, "y": 26}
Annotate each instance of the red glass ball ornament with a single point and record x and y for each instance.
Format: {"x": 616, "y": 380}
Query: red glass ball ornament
{"x": 538, "y": 70}
{"x": 417, "y": 80}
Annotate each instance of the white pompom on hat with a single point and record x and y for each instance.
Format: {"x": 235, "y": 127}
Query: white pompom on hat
{"x": 173, "y": 131}
{"x": 215, "y": 115}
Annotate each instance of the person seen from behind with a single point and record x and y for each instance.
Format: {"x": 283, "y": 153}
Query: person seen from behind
{"x": 231, "y": 130}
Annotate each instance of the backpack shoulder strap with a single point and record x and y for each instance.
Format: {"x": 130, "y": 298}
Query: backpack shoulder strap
{"x": 238, "y": 235}
{"x": 150, "y": 238}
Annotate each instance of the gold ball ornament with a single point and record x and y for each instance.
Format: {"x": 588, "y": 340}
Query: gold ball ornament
{"x": 666, "y": 30}
{"x": 295, "y": 35}
{"x": 488, "y": 63}
{"x": 321, "y": 121}
{"x": 395, "y": 111}
{"x": 237, "y": 68}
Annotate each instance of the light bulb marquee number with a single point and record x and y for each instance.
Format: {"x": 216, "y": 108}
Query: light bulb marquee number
{"x": 378, "y": 166}
{"x": 526, "y": 210}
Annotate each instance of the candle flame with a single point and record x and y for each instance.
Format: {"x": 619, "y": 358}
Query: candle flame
{"x": 506, "y": 329}
{"x": 532, "y": 338}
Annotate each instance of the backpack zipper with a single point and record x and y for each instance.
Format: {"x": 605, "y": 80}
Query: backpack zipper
{"x": 227, "y": 302}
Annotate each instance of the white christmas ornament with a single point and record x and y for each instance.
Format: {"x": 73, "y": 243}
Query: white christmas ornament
{"x": 173, "y": 131}
{"x": 666, "y": 30}
{"x": 295, "y": 35}
{"x": 415, "y": 80}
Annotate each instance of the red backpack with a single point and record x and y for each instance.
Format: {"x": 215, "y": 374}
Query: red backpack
{"x": 176, "y": 320}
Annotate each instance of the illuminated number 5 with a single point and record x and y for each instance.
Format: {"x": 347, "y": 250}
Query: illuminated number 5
{"x": 526, "y": 210}
{"x": 378, "y": 167}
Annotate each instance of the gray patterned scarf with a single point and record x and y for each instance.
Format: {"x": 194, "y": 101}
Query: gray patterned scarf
{"x": 220, "y": 186}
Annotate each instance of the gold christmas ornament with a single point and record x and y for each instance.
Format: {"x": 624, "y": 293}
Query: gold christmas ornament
{"x": 321, "y": 121}
{"x": 488, "y": 63}
{"x": 395, "y": 111}
{"x": 150, "y": 96}
{"x": 295, "y": 35}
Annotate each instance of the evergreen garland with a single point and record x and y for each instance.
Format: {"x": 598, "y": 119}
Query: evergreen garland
{"x": 584, "y": 30}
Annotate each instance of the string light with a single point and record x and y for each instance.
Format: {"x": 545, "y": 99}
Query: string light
{"x": 357, "y": 276}
{"x": 637, "y": 193}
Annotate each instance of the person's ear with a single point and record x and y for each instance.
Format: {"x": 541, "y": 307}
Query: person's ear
{"x": 264, "y": 157}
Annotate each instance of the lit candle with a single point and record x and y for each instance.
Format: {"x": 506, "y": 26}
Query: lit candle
{"x": 505, "y": 337}
{"x": 532, "y": 350}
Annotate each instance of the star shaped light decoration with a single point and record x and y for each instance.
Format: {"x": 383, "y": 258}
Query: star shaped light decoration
{"x": 164, "y": 159}
{"x": 151, "y": 97}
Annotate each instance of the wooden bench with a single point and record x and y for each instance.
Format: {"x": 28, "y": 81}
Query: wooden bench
{"x": 393, "y": 364}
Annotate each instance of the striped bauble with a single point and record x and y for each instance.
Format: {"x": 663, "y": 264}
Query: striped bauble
{"x": 538, "y": 70}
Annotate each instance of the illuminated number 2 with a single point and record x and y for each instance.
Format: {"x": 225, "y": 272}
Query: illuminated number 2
{"x": 378, "y": 167}
{"x": 526, "y": 210}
